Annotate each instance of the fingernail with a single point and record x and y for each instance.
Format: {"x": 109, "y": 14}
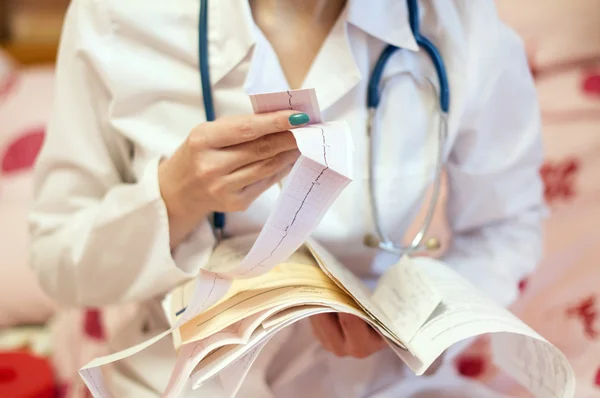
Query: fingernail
{"x": 299, "y": 119}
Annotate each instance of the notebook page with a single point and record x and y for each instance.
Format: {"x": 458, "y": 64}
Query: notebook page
{"x": 465, "y": 312}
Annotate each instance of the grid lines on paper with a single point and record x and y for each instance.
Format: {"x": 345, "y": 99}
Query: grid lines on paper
{"x": 302, "y": 204}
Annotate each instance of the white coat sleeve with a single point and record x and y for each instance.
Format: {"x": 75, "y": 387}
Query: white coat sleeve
{"x": 97, "y": 236}
{"x": 495, "y": 201}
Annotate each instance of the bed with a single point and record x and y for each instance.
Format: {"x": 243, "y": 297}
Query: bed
{"x": 561, "y": 300}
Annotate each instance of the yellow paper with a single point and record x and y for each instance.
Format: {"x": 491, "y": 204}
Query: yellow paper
{"x": 299, "y": 281}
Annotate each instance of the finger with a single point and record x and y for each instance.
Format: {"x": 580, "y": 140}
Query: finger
{"x": 360, "y": 340}
{"x": 331, "y": 332}
{"x": 251, "y": 192}
{"x": 266, "y": 147}
{"x": 261, "y": 170}
{"x": 235, "y": 130}
{"x": 284, "y": 173}
{"x": 318, "y": 333}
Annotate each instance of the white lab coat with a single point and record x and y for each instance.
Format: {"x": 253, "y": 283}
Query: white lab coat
{"x": 128, "y": 93}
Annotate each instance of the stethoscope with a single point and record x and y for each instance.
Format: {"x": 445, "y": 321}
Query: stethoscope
{"x": 380, "y": 239}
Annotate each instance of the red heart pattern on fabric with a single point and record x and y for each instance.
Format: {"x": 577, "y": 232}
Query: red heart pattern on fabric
{"x": 21, "y": 153}
{"x": 591, "y": 83}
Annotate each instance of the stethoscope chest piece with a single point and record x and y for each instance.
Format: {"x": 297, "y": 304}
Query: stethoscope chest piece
{"x": 373, "y": 242}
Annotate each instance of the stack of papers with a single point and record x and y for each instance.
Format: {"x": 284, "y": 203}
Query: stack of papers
{"x": 254, "y": 286}
{"x": 420, "y": 307}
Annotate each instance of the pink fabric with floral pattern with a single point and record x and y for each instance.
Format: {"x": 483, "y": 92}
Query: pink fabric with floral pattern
{"x": 562, "y": 299}
{"x": 25, "y": 100}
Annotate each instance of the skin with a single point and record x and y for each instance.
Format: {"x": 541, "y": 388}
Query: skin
{"x": 296, "y": 29}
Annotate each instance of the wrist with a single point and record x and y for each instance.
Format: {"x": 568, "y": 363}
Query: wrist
{"x": 183, "y": 215}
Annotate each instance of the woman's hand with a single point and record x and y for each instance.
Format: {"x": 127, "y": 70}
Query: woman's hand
{"x": 346, "y": 335}
{"x": 225, "y": 165}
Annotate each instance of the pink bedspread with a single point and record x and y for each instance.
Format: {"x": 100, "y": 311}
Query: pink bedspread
{"x": 25, "y": 98}
{"x": 562, "y": 299}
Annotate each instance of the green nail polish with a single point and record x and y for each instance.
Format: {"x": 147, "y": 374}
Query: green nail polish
{"x": 299, "y": 119}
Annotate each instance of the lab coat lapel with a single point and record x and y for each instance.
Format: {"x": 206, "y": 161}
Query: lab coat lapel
{"x": 334, "y": 72}
{"x": 386, "y": 20}
{"x": 230, "y": 36}
{"x": 264, "y": 59}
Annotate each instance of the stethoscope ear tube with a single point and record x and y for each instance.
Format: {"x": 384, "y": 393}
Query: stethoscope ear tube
{"x": 382, "y": 240}
{"x": 209, "y": 107}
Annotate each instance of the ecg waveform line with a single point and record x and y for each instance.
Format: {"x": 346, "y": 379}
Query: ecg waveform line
{"x": 182, "y": 310}
{"x": 91, "y": 376}
{"x": 302, "y": 203}
{"x": 324, "y": 148}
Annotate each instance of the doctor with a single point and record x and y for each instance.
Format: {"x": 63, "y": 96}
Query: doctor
{"x": 130, "y": 173}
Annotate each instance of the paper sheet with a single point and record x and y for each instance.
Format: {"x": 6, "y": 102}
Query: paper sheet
{"x": 354, "y": 287}
{"x": 535, "y": 364}
{"x": 464, "y": 312}
{"x": 288, "y": 284}
{"x": 280, "y": 296}
{"x": 407, "y": 297}
{"x": 291, "y": 313}
{"x": 235, "y": 374}
{"x": 294, "y": 100}
{"x": 206, "y": 293}
{"x": 316, "y": 180}
{"x": 228, "y": 356}
{"x": 191, "y": 354}
{"x": 425, "y": 299}
{"x": 232, "y": 251}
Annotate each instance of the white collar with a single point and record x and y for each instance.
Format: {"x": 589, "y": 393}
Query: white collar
{"x": 386, "y": 20}
{"x": 232, "y": 34}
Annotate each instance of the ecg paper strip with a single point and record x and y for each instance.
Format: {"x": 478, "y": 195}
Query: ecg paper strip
{"x": 296, "y": 100}
{"x": 309, "y": 191}
{"x": 316, "y": 180}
